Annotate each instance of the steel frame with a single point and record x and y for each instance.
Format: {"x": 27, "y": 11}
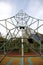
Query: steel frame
{"x": 21, "y": 19}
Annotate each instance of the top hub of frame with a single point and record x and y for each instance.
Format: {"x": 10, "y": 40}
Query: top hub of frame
{"x": 22, "y": 19}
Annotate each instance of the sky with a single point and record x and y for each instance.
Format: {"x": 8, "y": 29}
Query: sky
{"x": 9, "y": 8}
{"x": 32, "y": 7}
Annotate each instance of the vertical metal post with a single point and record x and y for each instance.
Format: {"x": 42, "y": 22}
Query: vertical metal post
{"x": 40, "y": 48}
{"x": 4, "y": 48}
{"x": 22, "y": 49}
{"x": 22, "y": 53}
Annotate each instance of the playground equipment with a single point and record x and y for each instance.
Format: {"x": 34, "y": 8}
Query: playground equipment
{"x": 21, "y": 26}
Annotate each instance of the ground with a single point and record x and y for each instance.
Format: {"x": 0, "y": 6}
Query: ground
{"x": 18, "y": 60}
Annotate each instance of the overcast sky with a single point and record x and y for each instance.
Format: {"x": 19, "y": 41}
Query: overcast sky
{"x": 32, "y": 7}
{"x": 9, "y": 8}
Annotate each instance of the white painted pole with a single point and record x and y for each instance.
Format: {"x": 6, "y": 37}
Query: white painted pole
{"x": 22, "y": 53}
{"x": 22, "y": 49}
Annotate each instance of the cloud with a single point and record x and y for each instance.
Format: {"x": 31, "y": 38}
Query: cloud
{"x": 5, "y": 10}
{"x": 35, "y": 8}
{"x": 31, "y": 7}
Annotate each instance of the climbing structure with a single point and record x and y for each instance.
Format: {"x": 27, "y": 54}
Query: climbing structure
{"x": 21, "y": 27}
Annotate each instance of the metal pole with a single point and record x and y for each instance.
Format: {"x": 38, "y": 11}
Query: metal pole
{"x": 40, "y": 49}
{"x": 4, "y": 49}
{"x": 22, "y": 49}
{"x": 22, "y": 52}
